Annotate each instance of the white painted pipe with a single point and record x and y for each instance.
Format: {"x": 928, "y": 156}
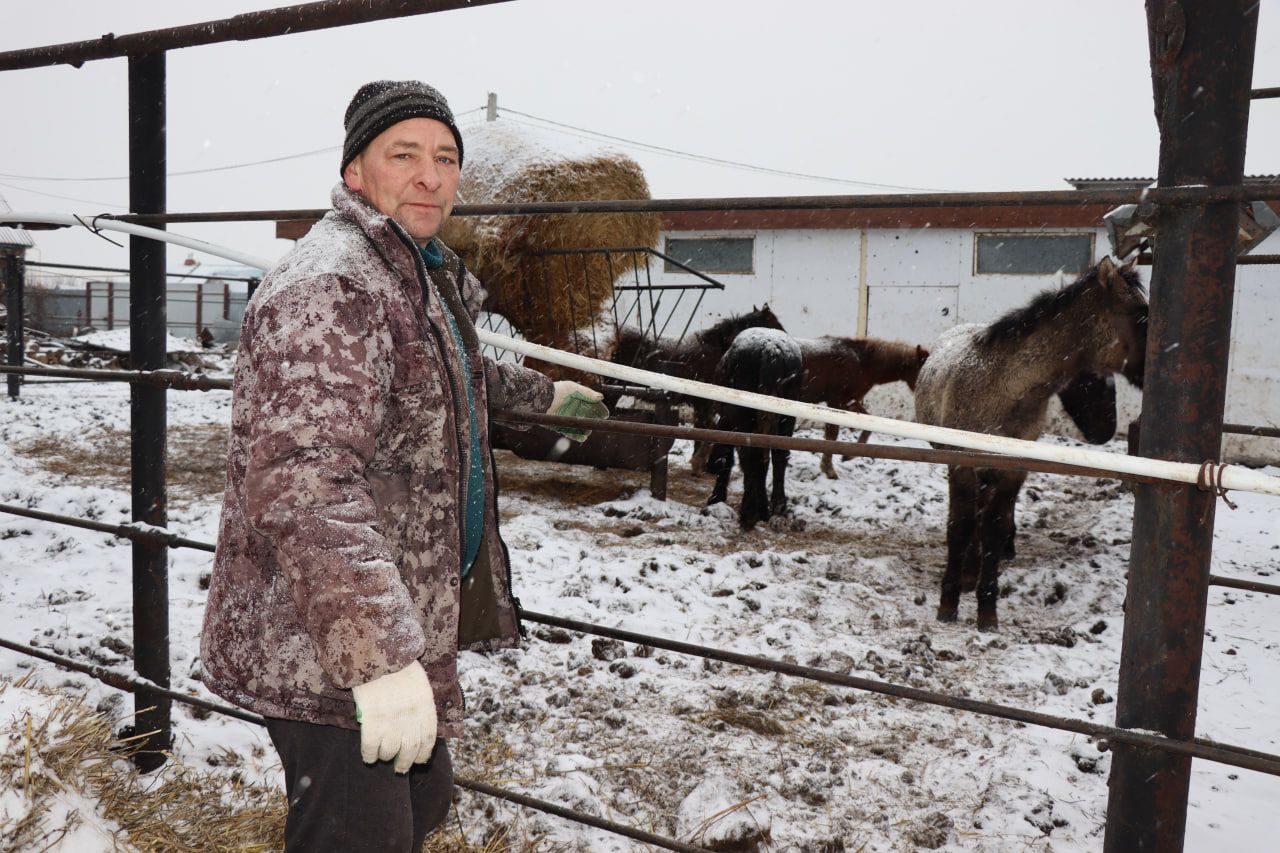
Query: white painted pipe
{"x": 96, "y": 222}
{"x": 1237, "y": 478}
{"x": 1234, "y": 477}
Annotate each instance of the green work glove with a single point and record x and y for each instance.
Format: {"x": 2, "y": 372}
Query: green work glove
{"x": 573, "y": 400}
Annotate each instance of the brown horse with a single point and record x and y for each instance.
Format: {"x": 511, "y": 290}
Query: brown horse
{"x": 693, "y": 357}
{"x": 840, "y": 371}
{"x": 998, "y": 379}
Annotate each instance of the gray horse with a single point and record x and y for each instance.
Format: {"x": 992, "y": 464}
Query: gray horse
{"x": 998, "y": 379}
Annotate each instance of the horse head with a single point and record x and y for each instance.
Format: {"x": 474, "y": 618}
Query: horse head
{"x": 913, "y": 366}
{"x": 1090, "y": 402}
{"x": 724, "y": 331}
{"x": 1125, "y": 303}
{"x": 763, "y": 317}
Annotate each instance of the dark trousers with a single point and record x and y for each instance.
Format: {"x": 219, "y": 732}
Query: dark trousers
{"x": 339, "y": 803}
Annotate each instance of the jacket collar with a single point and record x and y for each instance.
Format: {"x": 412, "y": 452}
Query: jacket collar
{"x": 393, "y": 243}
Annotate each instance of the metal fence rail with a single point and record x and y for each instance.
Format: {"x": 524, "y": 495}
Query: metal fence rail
{"x": 132, "y": 532}
{"x": 177, "y": 275}
{"x": 1198, "y": 747}
{"x": 1250, "y": 759}
{"x": 161, "y": 537}
{"x": 301, "y": 18}
{"x": 1175, "y": 196}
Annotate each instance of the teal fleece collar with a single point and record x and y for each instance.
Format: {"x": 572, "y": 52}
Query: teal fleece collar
{"x": 431, "y": 254}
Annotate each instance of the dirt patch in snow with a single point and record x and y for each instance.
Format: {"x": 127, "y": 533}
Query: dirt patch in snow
{"x": 195, "y": 459}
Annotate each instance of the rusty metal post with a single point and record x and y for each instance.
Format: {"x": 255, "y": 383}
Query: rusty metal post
{"x": 14, "y": 276}
{"x": 1202, "y": 65}
{"x": 199, "y": 310}
{"x": 663, "y": 414}
{"x": 147, "y": 328}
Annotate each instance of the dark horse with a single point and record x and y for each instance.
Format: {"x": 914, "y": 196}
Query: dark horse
{"x": 998, "y": 379}
{"x": 766, "y": 361}
{"x": 840, "y": 371}
{"x": 693, "y": 357}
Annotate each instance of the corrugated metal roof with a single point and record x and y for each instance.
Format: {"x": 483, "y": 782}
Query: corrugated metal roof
{"x": 13, "y": 236}
{"x": 1121, "y": 183}
{"x": 1109, "y": 183}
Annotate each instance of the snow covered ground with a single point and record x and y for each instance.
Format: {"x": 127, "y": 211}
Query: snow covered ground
{"x": 662, "y": 741}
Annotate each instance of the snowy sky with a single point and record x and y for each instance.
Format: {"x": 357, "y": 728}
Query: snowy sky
{"x": 992, "y": 95}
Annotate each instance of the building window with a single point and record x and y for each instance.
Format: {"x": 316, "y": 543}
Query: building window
{"x": 711, "y": 254}
{"x": 1032, "y": 254}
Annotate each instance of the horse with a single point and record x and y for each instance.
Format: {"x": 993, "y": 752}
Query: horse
{"x": 767, "y": 361}
{"x": 999, "y": 378}
{"x": 693, "y": 357}
{"x": 839, "y": 371}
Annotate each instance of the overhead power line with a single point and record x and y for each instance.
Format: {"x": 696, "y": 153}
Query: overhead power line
{"x": 64, "y": 197}
{"x": 544, "y": 124}
{"x": 327, "y": 149}
{"x": 179, "y": 174}
{"x": 703, "y": 158}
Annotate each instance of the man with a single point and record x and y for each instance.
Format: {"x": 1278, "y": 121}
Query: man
{"x": 358, "y": 548}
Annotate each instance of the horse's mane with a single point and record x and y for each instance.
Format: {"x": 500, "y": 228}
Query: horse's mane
{"x": 727, "y": 328}
{"x": 1020, "y": 322}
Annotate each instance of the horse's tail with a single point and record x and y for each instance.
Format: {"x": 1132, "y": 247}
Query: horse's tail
{"x": 779, "y": 374}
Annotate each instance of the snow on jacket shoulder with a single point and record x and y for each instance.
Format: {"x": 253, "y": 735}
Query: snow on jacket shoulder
{"x": 338, "y": 548}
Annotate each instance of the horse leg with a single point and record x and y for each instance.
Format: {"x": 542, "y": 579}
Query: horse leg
{"x": 1010, "y": 550}
{"x": 830, "y": 432}
{"x": 704, "y": 416}
{"x": 720, "y": 457}
{"x": 998, "y": 492}
{"x": 778, "y": 500}
{"x": 864, "y": 436}
{"x": 720, "y": 463}
{"x": 755, "y": 502}
{"x": 962, "y": 485}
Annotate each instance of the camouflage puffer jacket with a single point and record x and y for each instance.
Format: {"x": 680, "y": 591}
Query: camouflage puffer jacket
{"x": 338, "y": 550}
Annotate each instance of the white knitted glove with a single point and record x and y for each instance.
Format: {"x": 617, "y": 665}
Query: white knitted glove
{"x": 397, "y": 717}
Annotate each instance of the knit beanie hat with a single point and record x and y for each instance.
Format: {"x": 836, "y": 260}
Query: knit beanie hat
{"x": 378, "y": 105}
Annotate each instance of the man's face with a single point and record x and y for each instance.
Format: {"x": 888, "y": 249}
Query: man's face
{"x": 409, "y": 172}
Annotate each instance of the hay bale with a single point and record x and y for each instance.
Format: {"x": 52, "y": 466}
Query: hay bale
{"x": 547, "y": 299}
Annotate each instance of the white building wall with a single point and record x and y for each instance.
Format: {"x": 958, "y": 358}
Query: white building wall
{"x": 815, "y": 281}
{"x": 1253, "y": 378}
{"x": 918, "y": 282}
{"x": 810, "y": 278}
{"x": 912, "y": 280}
